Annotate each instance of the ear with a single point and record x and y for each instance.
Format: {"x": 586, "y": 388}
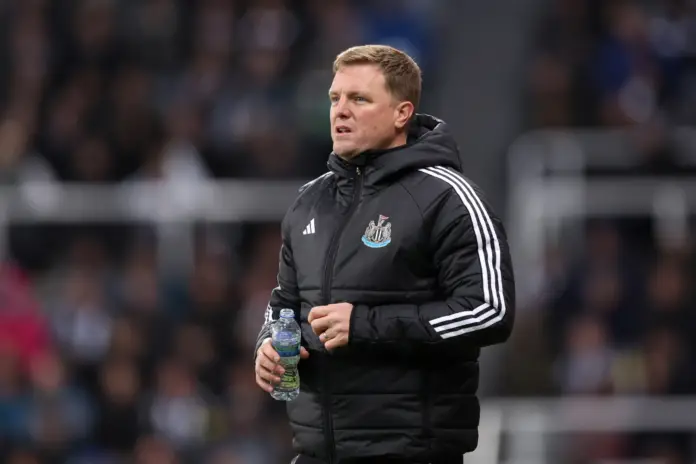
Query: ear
{"x": 403, "y": 112}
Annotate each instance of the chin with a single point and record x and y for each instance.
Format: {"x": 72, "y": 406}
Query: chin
{"x": 345, "y": 151}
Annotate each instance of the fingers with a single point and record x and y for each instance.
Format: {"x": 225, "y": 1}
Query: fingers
{"x": 265, "y": 386}
{"x": 268, "y": 351}
{"x": 269, "y": 358}
{"x": 317, "y": 312}
{"x": 327, "y": 335}
{"x": 336, "y": 342}
{"x": 320, "y": 325}
{"x": 268, "y": 371}
{"x": 264, "y": 364}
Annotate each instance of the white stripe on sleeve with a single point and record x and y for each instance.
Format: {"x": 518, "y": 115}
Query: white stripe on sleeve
{"x": 493, "y": 308}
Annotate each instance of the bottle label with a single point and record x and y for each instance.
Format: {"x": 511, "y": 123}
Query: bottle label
{"x": 290, "y": 380}
{"x": 288, "y": 351}
{"x": 286, "y": 344}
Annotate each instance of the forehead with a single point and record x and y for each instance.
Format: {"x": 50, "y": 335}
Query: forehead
{"x": 358, "y": 77}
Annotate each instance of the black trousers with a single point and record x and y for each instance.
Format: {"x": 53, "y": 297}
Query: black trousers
{"x": 308, "y": 460}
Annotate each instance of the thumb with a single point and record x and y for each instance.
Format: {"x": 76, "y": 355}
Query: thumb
{"x": 304, "y": 354}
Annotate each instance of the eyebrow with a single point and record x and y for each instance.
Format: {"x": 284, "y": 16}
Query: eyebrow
{"x": 352, "y": 93}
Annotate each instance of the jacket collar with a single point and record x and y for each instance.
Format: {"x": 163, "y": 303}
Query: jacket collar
{"x": 429, "y": 144}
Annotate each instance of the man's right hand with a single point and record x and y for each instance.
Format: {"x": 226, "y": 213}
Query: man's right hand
{"x": 268, "y": 371}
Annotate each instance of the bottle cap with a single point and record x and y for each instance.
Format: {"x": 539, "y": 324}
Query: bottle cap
{"x": 287, "y": 313}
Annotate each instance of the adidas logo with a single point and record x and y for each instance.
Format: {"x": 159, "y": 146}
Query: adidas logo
{"x": 309, "y": 229}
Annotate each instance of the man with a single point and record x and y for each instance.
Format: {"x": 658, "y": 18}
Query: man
{"x": 398, "y": 272}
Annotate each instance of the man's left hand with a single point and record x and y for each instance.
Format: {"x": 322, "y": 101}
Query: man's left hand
{"x": 331, "y": 323}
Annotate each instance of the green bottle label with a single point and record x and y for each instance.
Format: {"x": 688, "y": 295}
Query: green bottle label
{"x": 290, "y": 380}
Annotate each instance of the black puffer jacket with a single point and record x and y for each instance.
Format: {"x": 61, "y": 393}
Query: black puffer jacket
{"x": 412, "y": 244}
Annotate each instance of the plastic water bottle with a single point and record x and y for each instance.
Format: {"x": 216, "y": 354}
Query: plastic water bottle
{"x": 285, "y": 338}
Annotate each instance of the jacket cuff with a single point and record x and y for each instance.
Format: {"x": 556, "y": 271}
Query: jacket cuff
{"x": 359, "y": 325}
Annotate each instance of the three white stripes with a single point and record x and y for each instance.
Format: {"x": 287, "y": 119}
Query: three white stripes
{"x": 310, "y": 228}
{"x": 268, "y": 315}
{"x": 493, "y": 308}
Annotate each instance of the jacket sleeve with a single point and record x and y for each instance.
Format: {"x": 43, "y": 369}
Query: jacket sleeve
{"x": 284, "y": 295}
{"x": 470, "y": 252}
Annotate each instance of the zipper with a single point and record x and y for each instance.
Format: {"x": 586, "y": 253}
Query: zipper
{"x": 326, "y": 293}
{"x": 333, "y": 245}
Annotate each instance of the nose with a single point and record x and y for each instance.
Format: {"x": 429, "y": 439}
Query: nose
{"x": 341, "y": 109}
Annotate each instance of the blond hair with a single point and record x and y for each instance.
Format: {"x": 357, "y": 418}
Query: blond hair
{"x": 401, "y": 72}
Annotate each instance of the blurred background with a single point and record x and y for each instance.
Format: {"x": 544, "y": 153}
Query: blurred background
{"x": 149, "y": 148}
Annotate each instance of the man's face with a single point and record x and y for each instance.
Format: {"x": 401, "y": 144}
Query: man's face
{"x": 364, "y": 115}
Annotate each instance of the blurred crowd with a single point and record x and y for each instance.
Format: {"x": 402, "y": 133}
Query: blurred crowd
{"x": 105, "y": 90}
{"x": 614, "y": 63}
{"x": 618, "y": 64}
{"x": 106, "y": 356}
{"x": 617, "y": 309}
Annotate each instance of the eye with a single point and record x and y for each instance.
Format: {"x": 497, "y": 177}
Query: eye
{"x": 360, "y": 99}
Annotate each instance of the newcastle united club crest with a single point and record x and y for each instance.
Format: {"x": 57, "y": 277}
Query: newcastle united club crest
{"x": 378, "y": 235}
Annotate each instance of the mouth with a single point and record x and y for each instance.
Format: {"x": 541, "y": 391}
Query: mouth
{"x": 341, "y": 130}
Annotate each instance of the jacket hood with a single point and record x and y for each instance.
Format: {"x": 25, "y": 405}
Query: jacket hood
{"x": 429, "y": 144}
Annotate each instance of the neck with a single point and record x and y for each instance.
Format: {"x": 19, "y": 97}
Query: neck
{"x": 399, "y": 140}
